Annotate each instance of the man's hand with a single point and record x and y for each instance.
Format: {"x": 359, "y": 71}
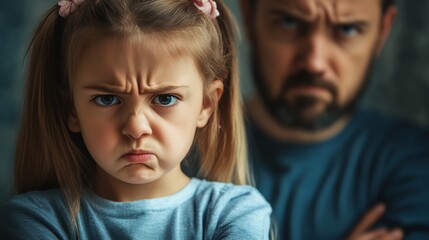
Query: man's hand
{"x": 362, "y": 230}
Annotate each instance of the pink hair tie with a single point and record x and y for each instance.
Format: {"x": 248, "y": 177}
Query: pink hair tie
{"x": 208, "y": 7}
{"x": 68, "y": 6}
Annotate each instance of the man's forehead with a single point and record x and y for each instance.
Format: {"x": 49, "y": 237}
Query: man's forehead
{"x": 338, "y": 9}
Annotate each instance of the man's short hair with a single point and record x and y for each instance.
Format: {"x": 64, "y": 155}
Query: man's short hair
{"x": 385, "y": 3}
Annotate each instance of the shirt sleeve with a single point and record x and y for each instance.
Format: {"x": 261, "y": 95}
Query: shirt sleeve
{"x": 245, "y": 215}
{"x": 407, "y": 191}
{"x": 24, "y": 218}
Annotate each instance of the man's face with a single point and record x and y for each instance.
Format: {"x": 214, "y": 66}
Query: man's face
{"x": 312, "y": 56}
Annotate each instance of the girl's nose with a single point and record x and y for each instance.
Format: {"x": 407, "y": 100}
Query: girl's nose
{"x": 136, "y": 126}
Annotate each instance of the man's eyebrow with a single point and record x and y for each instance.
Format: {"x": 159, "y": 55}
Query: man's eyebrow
{"x": 305, "y": 18}
{"x": 360, "y": 23}
{"x": 289, "y": 12}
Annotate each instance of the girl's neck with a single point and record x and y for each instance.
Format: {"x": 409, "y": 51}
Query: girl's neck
{"x": 116, "y": 190}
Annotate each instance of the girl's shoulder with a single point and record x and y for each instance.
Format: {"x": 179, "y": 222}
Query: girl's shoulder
{"x": 37, "y": 199}
{"x": 228, "y": 194}
{"x": 44, "y": 204}
{"x": 236, "y": 211}
{"x": 223, "y": 187}
{"x": 32, "y": 214}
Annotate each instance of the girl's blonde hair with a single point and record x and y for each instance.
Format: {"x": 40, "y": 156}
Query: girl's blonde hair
{"x": 49, "y": 155}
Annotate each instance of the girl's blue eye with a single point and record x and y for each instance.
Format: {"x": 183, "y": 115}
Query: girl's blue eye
{"x": 348, "y": 30}
{"x": 165, "y": 99}
{"x": 106, "y": 100}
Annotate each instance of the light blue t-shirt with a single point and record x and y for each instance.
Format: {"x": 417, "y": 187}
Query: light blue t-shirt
{"x": 202, "y": 210}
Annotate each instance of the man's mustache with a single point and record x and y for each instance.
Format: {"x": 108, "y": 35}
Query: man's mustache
{"x": 307, "y": 79}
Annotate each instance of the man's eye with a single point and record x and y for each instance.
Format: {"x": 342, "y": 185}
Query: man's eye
{"x": 289, "y": 22}
{"x": 348, "y": 30}
{"x": 106, "y": 100}
{"x": 165, "y": 100}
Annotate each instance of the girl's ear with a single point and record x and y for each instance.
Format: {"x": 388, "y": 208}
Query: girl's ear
{"x": 73, "y": 122}
{"x": 210, "y": 102}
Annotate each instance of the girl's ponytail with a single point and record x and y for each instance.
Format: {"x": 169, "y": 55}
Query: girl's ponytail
{"x": 225, "y": 156}
{"x": 45, "y": 154}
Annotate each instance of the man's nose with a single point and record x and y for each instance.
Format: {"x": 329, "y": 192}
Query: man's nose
{"x": 315, "y": 53}
{"x": 136, "y": 125}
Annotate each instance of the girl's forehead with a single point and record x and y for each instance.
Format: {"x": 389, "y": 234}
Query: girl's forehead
{"x": 154, "y": 43}
{"x": 124, "y": 63}
{"x": 173, "y": 44}
{"x": 133, "y": 47}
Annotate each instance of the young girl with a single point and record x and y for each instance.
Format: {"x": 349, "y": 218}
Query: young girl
{"x": 117, "y": 94}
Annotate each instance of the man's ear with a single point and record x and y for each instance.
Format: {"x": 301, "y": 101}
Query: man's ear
{"x": 388, "y": 19}
{"x": 210, "y": 102}
{"x": 73, "y": 122}
{"x": 246, "y": 16}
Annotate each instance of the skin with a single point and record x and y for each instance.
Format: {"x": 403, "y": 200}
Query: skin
{"x": 362, "y": 229}
{"x": 138, "y": 116}
{"x": 334, "y": 40}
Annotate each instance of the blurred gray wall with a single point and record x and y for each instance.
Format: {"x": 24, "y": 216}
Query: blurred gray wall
{"x": 17, "y": 20}
{"x": 399, "y": 86}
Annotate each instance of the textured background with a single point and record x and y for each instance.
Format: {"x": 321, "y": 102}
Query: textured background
{"x": 399, "y": 86}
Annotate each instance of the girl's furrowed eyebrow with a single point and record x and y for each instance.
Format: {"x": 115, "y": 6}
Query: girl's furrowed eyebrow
{"x": 163, "y": 88}
{"x": 120, "y": 90}
{"x": 105, "y": 88}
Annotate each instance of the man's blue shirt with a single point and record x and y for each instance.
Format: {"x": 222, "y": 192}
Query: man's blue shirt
{"x": 321, "y": 190}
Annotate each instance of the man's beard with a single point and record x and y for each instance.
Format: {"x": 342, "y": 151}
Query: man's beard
{"x": 290, "y": 113}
